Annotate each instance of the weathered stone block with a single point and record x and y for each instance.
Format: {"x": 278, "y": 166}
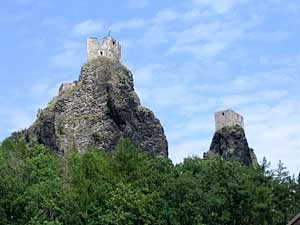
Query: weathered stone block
{"x": 228, "y": 118}
{"x": 109, "y": 48}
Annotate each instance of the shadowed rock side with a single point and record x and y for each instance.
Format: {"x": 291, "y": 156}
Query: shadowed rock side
{"x": 97, "y": 111}
{"x": 231, "y": 143}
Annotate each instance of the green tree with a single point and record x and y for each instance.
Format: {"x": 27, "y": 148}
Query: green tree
{"x": 128, "y": 186}
{"x": 90, "y": 182}
{"x": 127, "y": 205}
{"x": 129, "y": 164}
{"x": 44, "y": 187}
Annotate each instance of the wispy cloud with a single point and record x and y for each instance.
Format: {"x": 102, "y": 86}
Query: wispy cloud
{"x": 71, "y": 55}
{"x": 187, "y": 148}
{"x": 129, "y": 24}
{"x": 233, "y": 101}
{"x": 220, "y": 7}
{"x": 87, "y": 27}
{"x": 45, "y": 87}
{"x": 273, "y": 131}
{"x": 268, "y": 36}
{"x": 36, "y": 3}
{"x": 137, "y": 4}
{"x": 194, "y": 57}
{"x": 15, "y": 118}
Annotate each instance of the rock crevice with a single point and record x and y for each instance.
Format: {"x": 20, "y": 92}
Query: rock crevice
{"x": 96, "y": 111}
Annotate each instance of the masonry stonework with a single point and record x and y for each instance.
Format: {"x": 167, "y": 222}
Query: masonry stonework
{"x": 109, "y": 48}
{"x": 227, "y": 118}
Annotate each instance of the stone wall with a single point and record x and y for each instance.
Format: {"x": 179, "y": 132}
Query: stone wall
{"x": 228, "y": 118}
{"x": 109, "y": 48}
{"x": 92, "y": 48}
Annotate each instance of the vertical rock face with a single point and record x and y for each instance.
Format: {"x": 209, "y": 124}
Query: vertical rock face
{"x": 96, "y": 111}
{"x": 230, "y": 143}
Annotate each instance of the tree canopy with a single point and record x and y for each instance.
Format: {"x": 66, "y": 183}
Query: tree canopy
{"x": 130, "y": 187}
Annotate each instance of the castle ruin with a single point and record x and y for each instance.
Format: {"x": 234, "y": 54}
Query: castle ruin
{"x": 109, "y": 48}
{"x": 227, "y": 118}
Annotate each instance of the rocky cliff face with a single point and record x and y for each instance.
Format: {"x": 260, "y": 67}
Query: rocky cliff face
{"x": 96, "y": 111}
{"x": 231, "y": 143}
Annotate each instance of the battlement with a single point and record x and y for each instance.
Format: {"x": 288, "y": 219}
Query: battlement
{"x": 109, "y": 48}
{"x": 228, "y": 118}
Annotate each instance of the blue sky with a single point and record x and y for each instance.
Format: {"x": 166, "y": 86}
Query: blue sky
{"x": 189, "y": 59}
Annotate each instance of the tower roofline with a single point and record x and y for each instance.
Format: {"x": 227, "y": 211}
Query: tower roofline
{"x": 227, "y": 110}
{"x": 228, "y": 117}
{"x": 109, "y": 48}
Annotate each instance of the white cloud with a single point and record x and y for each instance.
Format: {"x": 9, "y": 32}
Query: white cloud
{"x": 186, "y": 92}
{"x": 165, "y": 16}
{"x": 231, "y": 101}
{"x": 88, "y": 27}
{"x": 292, "y": 61}
{"x": 220, "y": 7}
{"x": 273, "y": 131}
{"x": 71, "y": 55}
{"x": 14, "y": 119}
{"x": 264, "y": 99}
{"x": 200, "y": 51}
{"x": 20, "y": 119}
{"x": 126, "y": 44}
{"x": 46, "y": 87}
{"x": 144, "y": 75}
{"x": 40, "y": 88}
{"x": 293, "y": 7}
{"x": 74, "y": 45}
{"x": 135, "y": 23}
{"x": 188, "y": 148}
{"x": 192, "y": 127}
{"x": 268, "y": 36}
{"x": 137, "y": 4}
{"x": 36, "y": 3}
{"x": 208, "y": 39}
{"x": 67, "y": 59}
{"x": 161, "y": 17}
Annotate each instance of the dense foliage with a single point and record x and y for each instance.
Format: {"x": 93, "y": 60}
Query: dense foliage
{"x": 130, "y": 187}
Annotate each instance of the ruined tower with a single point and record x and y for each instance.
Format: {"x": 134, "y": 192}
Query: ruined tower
{"x": 229, "y": 140}
{"x": 228, "y": 118}
{"x": 99, "y": 109}
{"x": 109, "y": 48}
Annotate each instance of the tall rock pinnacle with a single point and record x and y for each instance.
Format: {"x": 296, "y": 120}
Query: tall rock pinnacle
{"x": 229, "y": 140}
{"x": 97, "y": 110}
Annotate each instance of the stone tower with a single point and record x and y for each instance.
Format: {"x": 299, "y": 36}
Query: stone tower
{"x": 109, "y": 48}
{"x": 228, "y": 118}
{"x": 229, "y": 140}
